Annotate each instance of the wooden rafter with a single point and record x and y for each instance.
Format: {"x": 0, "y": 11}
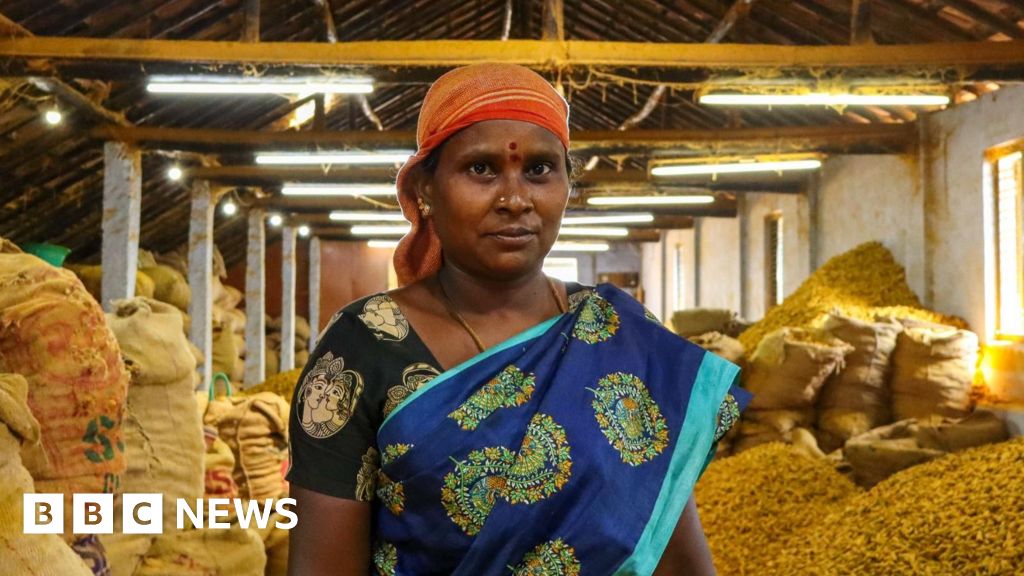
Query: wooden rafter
{"x": 538, "y": 53}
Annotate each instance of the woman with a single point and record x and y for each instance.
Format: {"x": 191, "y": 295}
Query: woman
{"x": 501, "y": 422}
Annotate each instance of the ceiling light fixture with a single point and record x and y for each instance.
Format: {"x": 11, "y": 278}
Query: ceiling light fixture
{"x": 735, "y": 167}
{"x": 339, "y": 216}
{"x": 276, "y": 220}
{"x": 321, "y": 158}
{"x": 229, "y": 208}
{"x": 338, "y": 190}
{"x": 824, "y": 99}
{"x": 174, "y": 173}
{"x": 650, "y": 200}
{"x": 53, "y": 117}
{"x": 610, "y": 232}
{"x": 235, "y": 86}
{"x": 638, "y": 218}
{"x": 580, "y": 247}
{"x": 387, "y": 244}
{"x": 303, "y": 230}
{"x": 381, "y": 230}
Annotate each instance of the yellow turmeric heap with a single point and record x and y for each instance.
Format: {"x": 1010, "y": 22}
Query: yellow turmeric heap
{"x": 863, "y": 283}
{"x": 282, "y": 384}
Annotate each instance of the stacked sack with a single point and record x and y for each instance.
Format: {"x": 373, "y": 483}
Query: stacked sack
{"x": 165, "y": 449}
{"x": 273, "y": 345}
{"x": 697, "y": 321}
{"x": 786, "y": 374}
{"x": 717, "y": 343}
{"x": 856, "y": 399}
{"x": 933, "y": 371}
{"x": 91, "y": 276}
{"x": 54, "y": 334}
{"x": 255, "y": 427}
{"x": 20, "y": 553}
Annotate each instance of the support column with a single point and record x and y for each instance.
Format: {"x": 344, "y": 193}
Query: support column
{"x": 255, "y": 300}
{"x": 288, "y": 245}
{"x": 122, "y": 199}
{"x": 697, "y": 241}
{"x": 200, "y": 275}
{"x": 314, "y": 291}
{"x": 745, "y": 275}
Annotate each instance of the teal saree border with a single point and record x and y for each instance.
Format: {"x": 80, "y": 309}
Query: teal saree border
{"x": 528, "y": 334}
{"x": 714, "y": 378}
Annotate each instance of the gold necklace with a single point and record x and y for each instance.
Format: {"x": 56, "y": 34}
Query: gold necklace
{"x": 450, "y": 306}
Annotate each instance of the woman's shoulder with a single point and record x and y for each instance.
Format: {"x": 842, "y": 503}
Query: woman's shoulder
{"x": 376, "y": 315}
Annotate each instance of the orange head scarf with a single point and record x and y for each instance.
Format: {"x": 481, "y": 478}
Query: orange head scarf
{"x": 458, "y": 99}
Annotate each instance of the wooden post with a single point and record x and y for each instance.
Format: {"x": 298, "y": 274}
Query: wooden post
{"x": 314, "y": 291}
{"x": 122, "y": 198}
{"x": 554, "y": 20}
{"x": 251, "y": 26}
{"x": 255, "y": 300}
{"x": 288, "y": 241}
{"x": 200, "y": 276}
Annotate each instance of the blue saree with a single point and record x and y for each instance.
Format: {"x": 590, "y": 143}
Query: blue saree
{"x": 569, "y": 449}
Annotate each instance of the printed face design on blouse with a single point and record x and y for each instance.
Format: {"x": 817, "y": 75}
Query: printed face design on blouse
{"x": 328, "y": 397}
{"x": 383, "y": 317}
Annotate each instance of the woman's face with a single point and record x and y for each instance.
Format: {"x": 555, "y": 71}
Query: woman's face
{"x": 497, "y": 196}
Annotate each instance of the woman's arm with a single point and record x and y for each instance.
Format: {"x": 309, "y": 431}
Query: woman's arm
{"x": 332, "y": 536}
{"x": 687, "y": 552}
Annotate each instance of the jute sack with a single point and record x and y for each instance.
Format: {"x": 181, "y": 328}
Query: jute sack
{"x": 225, "y": 349}
{"x": 933, "y": 370}
{"x": 91, "y": 276}
{"x": 789, "y": 367}
{"x": 170, "y": 286}
{"x": 884, "y": 451}
{"x": 219, "y": 465}
{"x": 54, "y": 334}
{"x": 720, "y": 344}
{"x": 763, "y": 426}
{"x": 163, "y": 431}
{"x": 696, "y": 321}
{"x": 28, "y": 554}
{"x": 275, "y": 543}
{"x": 855, "y": 399}
{"x": 206, "y": 552}
{"x": 256, "y": 429}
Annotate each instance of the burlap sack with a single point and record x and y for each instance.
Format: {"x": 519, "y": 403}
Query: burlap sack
{"x": 54, "y": 334}
{"x": 229, "y": 297}
{"x": 720, "y": 344}
{"x": 91, "y": 276}
{"x": 933, "y": 370}
{"x": 855, "y": 399}
{"x": 884, "y": 451}
{"x": 219, "y": 466}
{"x": 696, "y": 321}
{"x": 170, "y": 286}
{"x": 163, "y": 431}
{"x": 206, "y": 552}
{"x": 788, "y": 369}
{"x": 238, "y": 315}
{"x": 225, "y": 348}
{"x": 272, "y": 359}
{"x": 176, "y": 259}
{"x": 763, "y": 426}
{"x": 275, "y": 543}
{"x": 28, "y": 554}
{"x": 256, "y": 429}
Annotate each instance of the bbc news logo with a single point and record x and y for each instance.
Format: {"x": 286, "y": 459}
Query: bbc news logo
{"x": 144, "y": 513}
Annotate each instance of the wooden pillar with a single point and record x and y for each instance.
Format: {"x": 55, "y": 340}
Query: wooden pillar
{"x": 314, "y": 291}
{"x": 255, "y": 300}
{"x": 288, "y": 242}
{"x": 122, "y": 198}
{"x": 200, "y": 275}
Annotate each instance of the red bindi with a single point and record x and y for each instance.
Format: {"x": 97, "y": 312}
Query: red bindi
{"x": 512, "y": 146}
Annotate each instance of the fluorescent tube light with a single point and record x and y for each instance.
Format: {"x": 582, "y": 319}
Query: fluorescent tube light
{"x": 823, "y": 99}
{"x": 339, "y": 216}
{"x": 389, "y": 244}
{"x": 594, "y": 231}
{"x": 264, "y": 85}
{"x": 321, "y": 158}
{"x": 381, "y": 230}
{"x": 580, "y": 247}
{"x": 338, "y": 190}
{"x": 649, "y": 200}
{"x": 735, "y": 167}
{"x": 639, "y": 218}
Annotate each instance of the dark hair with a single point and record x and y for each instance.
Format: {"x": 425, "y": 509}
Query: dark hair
{"x": 573, "y": 166}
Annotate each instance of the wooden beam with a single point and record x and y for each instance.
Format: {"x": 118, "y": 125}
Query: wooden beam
{"x": 251, "y": 25}
{"x": 553, "y": 26}
{"x": 314, "y": 292}
{"x": 737, "y": 12}
{"x": 122, "y": 199}
{"x": 255, "y": 299}
{"x": 840, "y": 137}
{"x": 536, "y": 53}
{"x": 200, "y": 276}
{"x": 860, "y": 23}
{"x": 288, "y": 295}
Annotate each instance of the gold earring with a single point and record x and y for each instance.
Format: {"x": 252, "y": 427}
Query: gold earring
{"x": 424, "y": 208}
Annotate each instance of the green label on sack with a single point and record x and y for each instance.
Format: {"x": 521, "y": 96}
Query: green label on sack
{"x": 100, "y": 448}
